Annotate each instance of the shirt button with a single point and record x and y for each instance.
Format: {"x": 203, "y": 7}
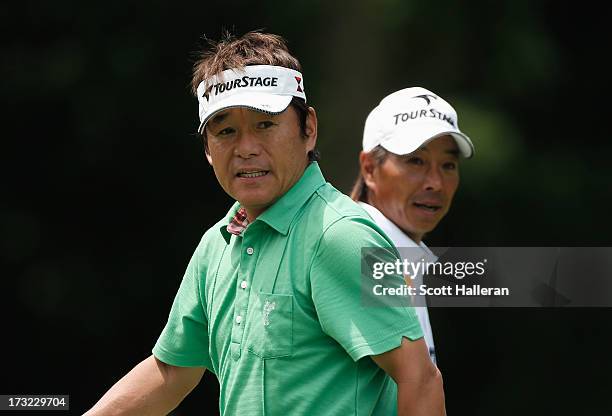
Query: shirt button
{"x": 243, "y": 284}
{"x": 250, "y": 251}
{"x": 238, "y": 319}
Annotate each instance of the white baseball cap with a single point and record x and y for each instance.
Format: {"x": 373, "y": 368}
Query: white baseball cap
{"x": 265, "y": 88}
{"x": 408, "y": 118}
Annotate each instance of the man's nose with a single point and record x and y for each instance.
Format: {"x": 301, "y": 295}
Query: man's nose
{"x": 247, "y": 145}
{"x": 433, "y": 179}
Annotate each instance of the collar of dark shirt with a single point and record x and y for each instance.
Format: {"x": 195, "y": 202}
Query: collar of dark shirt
{"x": 239, "y": 222}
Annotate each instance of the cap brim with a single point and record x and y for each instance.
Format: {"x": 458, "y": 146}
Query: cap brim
{"x": 399, "y": 145}
{"x": 264, "y": 102}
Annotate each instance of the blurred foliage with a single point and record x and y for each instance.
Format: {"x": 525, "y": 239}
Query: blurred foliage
{"x": 106, "y": 191}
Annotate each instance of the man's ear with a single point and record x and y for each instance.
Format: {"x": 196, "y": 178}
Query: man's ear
{"x": 311, "y": 129}
{"x": 368, "y": 168}
{"x": 205, "y": 142}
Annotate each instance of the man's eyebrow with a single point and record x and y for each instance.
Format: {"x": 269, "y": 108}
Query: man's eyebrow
{"x": 454, "y": 152}
{"x": 218, "y": 118}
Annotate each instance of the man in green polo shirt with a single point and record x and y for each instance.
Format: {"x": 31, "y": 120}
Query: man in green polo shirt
{"x": 271, "y": 301}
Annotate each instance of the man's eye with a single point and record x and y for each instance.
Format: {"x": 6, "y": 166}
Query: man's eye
{"x": 450, "y": 166}
{"x": 415, "y": 161}
{"x": 226, "y": 131}
{"x": 265, "y": 124}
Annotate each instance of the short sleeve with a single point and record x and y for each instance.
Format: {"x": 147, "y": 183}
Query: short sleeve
{"x": 184, "y": 340}
{"x": 361, "y": 328}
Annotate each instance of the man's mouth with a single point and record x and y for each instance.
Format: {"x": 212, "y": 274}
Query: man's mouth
{"x": 428, "y": 207}
{"x": 252, "y": 173}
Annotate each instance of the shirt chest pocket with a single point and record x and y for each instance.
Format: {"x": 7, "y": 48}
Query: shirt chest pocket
{"x": 270, "y": 333}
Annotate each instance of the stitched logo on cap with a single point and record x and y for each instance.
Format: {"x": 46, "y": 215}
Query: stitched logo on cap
{"x": 299, "y": 81}
{"x": 417, "y": 114}
{"x": 426, "y": 97}
{"x": 243, "y": 82}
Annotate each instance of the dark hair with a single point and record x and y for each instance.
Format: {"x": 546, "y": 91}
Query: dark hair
{"x": 301, "y": 108}
{"x": 360, "y": 189}
{"x": 254, "y": 48}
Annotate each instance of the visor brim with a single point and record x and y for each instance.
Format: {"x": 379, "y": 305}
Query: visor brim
{"x": 257, "y": 101}
{"x": 400, "y": 145}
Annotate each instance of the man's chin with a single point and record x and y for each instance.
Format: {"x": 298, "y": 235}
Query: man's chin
{"x": 255, "y": 204}
{"x": 421, "y": 229}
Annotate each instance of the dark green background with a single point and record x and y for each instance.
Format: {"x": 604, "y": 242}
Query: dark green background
{"x": 105, "y": 191}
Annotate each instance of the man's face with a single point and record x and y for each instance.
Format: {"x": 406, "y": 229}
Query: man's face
{"x": 415, "y": 190}
{"x": 258, "y": 157}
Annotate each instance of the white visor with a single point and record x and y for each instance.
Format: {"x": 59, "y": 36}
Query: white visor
{"x": 263, "y": 88}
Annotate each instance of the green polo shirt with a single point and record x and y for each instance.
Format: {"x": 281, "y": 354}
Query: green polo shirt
{"x": 276, "y": 313}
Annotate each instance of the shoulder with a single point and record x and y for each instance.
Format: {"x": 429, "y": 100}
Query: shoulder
{"x": 338, "y": 204}
{"x": 328, "y": 205}
{"x": 211, "y": 240}
{"x": 348, "y": 218}
{"x": 344, "y": 225}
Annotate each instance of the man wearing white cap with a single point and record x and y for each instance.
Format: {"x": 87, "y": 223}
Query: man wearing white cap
{"x": 409, "y": 172}
{"x": 270, "y": 301}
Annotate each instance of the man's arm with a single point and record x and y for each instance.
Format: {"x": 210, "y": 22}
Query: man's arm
{"x": 151, "y": 388}
{"x": 419, "y": 382}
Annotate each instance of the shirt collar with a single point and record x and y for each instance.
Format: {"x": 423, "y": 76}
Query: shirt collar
{"x": 227, "y": 220}
{"x": 280, "y": 215}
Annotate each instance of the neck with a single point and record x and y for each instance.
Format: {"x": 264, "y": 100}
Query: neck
{"x": 253, "y": 213}
{"x": 417, "y": 238}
